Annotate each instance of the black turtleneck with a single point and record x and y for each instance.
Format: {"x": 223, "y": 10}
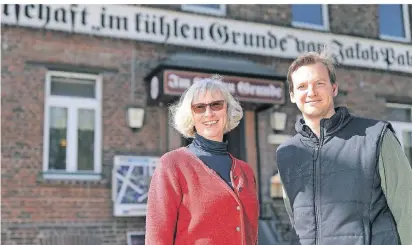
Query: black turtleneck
{"x": 214, "y": 154}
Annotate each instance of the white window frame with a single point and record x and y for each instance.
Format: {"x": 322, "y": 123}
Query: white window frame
{"x": 73, "y": 104}
{"x": 406, "y": 26}
{"x": 400, "y": 127}
{"x": 205, "y": 10}
{"x": 325, "y": 18}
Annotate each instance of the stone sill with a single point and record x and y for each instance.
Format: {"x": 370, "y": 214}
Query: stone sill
{"x": 76, "y": 179}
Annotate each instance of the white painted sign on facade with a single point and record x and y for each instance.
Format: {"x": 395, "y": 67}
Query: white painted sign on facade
{"x": 184, "y": 29}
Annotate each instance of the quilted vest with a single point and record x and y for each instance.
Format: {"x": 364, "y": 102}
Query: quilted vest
{"x": 333, "y": 183}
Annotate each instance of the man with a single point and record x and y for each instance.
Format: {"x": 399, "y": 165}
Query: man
{"x": 346, "y": 179}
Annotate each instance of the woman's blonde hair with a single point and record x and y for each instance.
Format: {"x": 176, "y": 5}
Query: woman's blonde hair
{"x": 181, "y": 112}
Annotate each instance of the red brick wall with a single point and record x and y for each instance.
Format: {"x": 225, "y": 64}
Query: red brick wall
{"x": 26, "y": 197}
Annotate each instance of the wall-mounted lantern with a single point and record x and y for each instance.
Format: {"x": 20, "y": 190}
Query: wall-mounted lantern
{"x": 278, "y": 120}
{"x": 278, "y": 125}
{"x": 135, "y": 116}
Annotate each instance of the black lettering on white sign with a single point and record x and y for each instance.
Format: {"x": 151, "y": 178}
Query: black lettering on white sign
{"x": 162, "y": 26}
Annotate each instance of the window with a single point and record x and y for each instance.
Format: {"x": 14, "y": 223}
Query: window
{"x": 400, "y": 116}
{"x": 213, "y": 9}
{"x": 312, "y": 16}
{"x": 135, "y": 238}
{"x": 72, "y": 126}
{"x": 394, "y": 22}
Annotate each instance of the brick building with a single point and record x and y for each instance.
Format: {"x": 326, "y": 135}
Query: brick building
{"x": 76, "y": 79}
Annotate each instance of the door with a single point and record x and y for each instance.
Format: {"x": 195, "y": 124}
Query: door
{"x": 236, "y": 141}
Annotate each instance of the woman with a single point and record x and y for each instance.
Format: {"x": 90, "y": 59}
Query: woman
{"x": 200, "y": 194}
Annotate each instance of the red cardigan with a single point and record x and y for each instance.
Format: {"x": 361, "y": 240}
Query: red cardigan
{"x": 189, "y": 204}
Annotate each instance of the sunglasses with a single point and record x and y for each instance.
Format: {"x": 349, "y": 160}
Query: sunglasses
{"x": 201, "y": 107}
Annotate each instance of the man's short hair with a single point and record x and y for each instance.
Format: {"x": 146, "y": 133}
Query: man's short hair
{"x": 309, "y": 59}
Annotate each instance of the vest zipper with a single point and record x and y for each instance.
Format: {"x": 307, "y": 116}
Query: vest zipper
{"x": 317, "y": 183}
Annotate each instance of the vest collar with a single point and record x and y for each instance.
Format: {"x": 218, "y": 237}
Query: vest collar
{"x": 329, "y": 126}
